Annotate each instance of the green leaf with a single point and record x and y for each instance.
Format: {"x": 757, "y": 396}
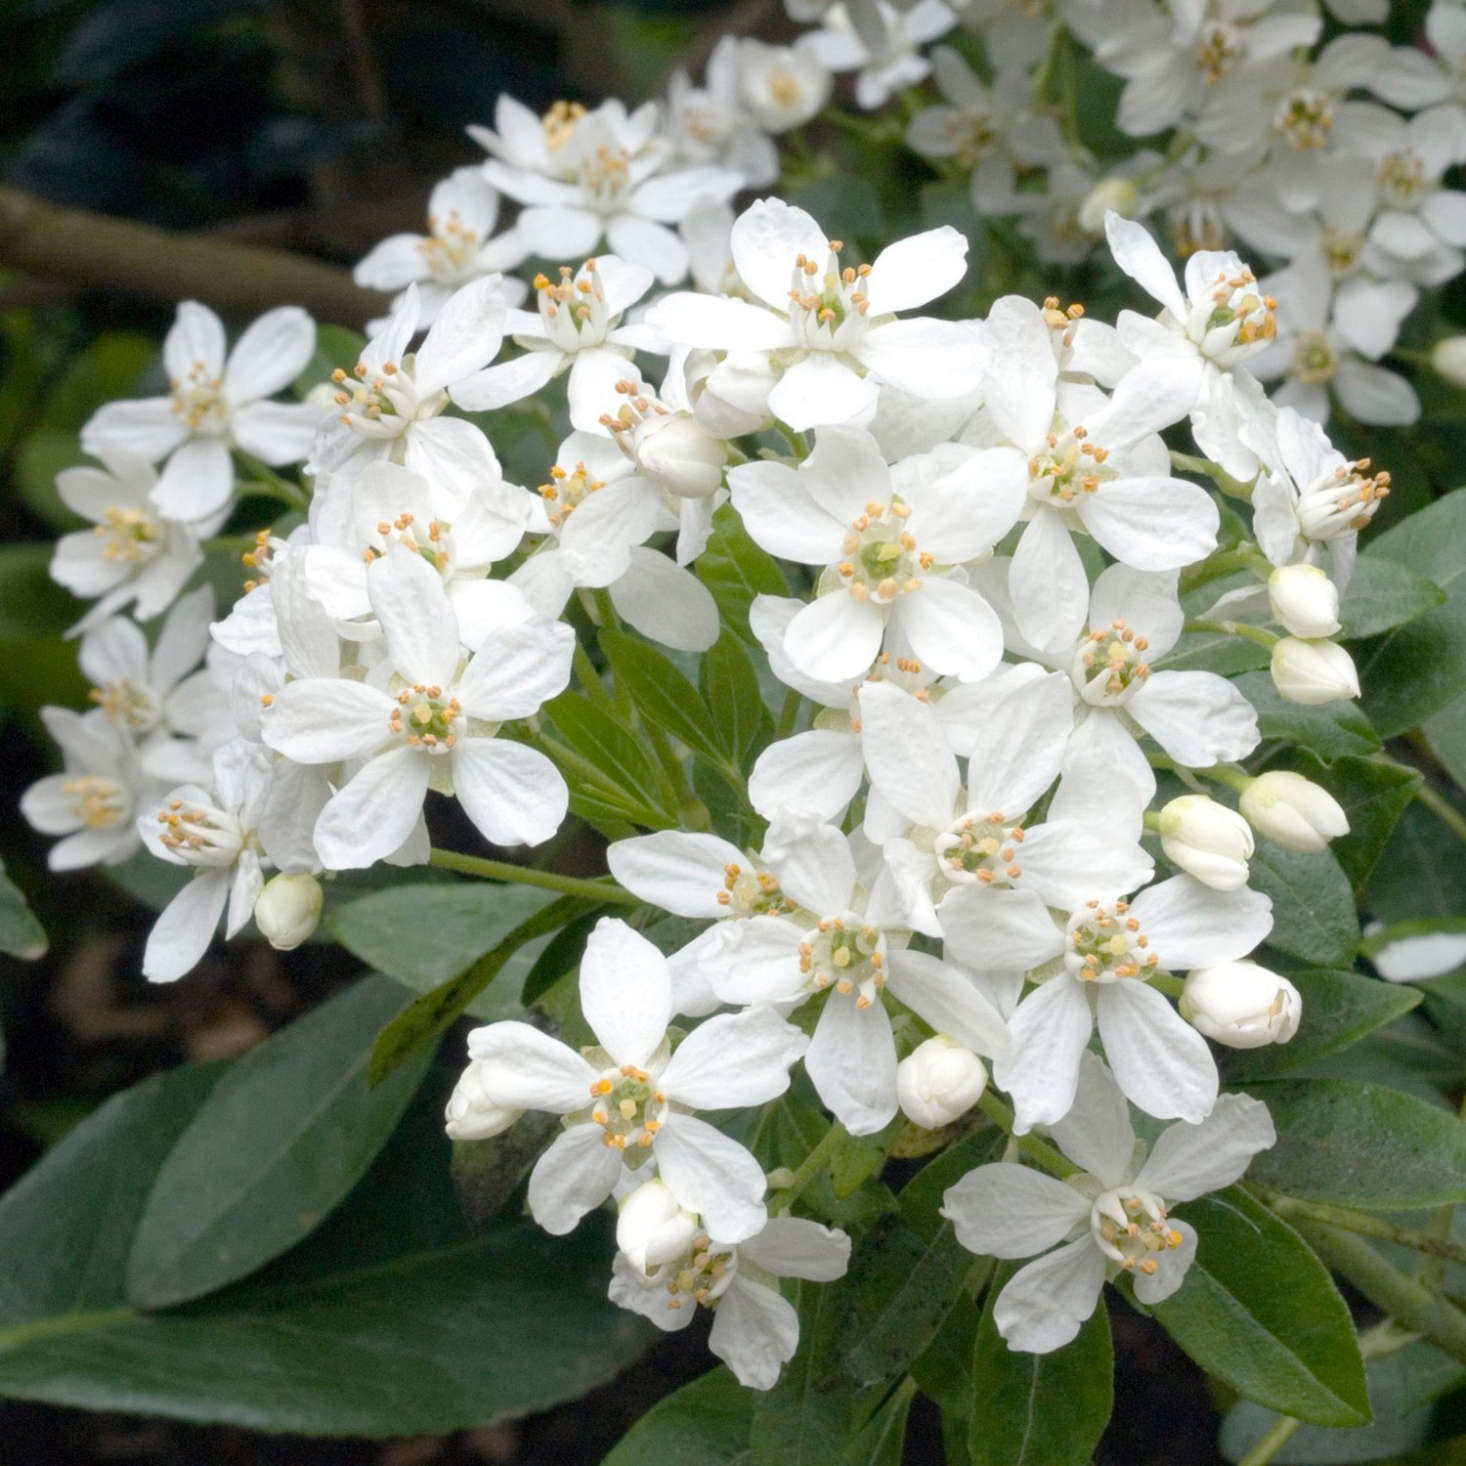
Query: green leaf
{"x": 1419, "y": 668}
{"x": 421, "y": 1022}
{"x": 735, "y": 570}
{"x": 1374, "y": 796}
{"x": 336, "y": 346}
{"x": 1213, "y": 651}
{"x": 1359, "y": 1144}
{"x": 1446, "y": 734}
{"x": 388, "y": 1321}
{"x": 1339, "y": 1008}
{"x": 845, "y": 204}
{"x": 1313, "y": 904}
{"x": 21, "y": 935}
{"x": 619, "y": 776}
{"x": 1259, "y": 1311}
{"x": 730, "y": 689}
{"x": 705, "y": 1423}
{"x": 1421, "y": 872}
{"x": 1331, "y": 730}
{"x": 805, "y": 1419}
{"x": 33, "y": 605}
{"x": 1384, "y": 593}
{"x": 1039, "y": 1409}
{"x": 661, "y": 693}
{"x": 284, "y": 1136}
{"x": 882, "y": 1440}
{"x": 425, "y": 934}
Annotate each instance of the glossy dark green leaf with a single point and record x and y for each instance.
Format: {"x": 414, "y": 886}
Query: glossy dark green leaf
{"x": 1339, "y": 1008}
{"x": 730, "y": 689}
{"x": 617, "y": 774}
{"x": 1359, "y": 1144}
{"x": 1213, "y": 651}
{"x": 1331, "y": 730}
{"x": 421, "y": 1022}
{"x": 735, "y": 570}
{"x": 661, "y": 693}
{"x": 1420, "y": 873}
{"x": 1384, "y": 593}
{"x": 805, "y": 1419}
{"x": 705, "y": 1423}
{"x": 21, "y": 935}
{"x": 1259, "y": 1311}
{"x": 881, "y": 1441}
{"x": 1374, "y": 796}
{"x": 1417, "y": 669}
{"x": 284, "y": 1135}
{"x": 1039, "y": 1409}
{"x": 1313, "y": 904}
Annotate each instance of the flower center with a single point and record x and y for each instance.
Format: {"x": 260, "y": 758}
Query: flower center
{"x": 844, "y": 951}
{"x": 1402, "y": 179}
{"x": 821, "y": 303}
{"x": 1106, "y": 944}
{"x": 883, "y": 559}
{"x": 1235, "y": 302}
{"x": 574, "y": 310}
{"x": 1131, "y": 1229}
{"x": 980, "y": 851}
{"x": 199, "y": 400}
{"x": 971, "y": 135}
{"x": 1314, "y": 359}
{"x": 1109, "y": 665}
{"x": 426, "y": 718}
{"x": 97, "y": 801}
{"x": 703, "y": 1273}
{"x": 1305, "y": 117}
{"x": 565, "y": 490}
{"x": 431, "y": 541}
{"x": 1340, "y": 248}
{"x": 127, "y": 704}
{"x": 200, "y": 835}
{"x": 605, "y": 178}
{"x": 558, "y": 124}
{"x": 629, "y": 1108}
{"x": 752, "y": 893}
{"x": 1218, "y": 45}
{"x": 381, "y": 405}
{"x": 783, "y": 88}
{"x": 1072, "y": 466}
{"x": 1342, "y": 501}
{"x": 450, "y": 248}
{"x": 130, "y": 534}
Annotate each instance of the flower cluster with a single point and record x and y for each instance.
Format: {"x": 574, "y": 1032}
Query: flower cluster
{"x": 946, "y": 870}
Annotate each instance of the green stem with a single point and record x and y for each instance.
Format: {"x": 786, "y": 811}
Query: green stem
{"x": 1271, "y": 1443}
{"x": 1049, "y": 1158}
{"x": 1232, "y": 488}
{"x": 230, "y": 544}
{"x": 1227, "y": 562}
{"x": 605, "y": 891}
{"x": 268, "y": 482}
{"x": 1167, "y": 983}
{"x": 1236, "y": 628}
{"x": 1364, "y": 1225}
{"x": 1442, "y": 809}
{"x": 1233, "y": 778}
{"x": 1404, "y": 1299}
{"x": 809, "y": 1168}
{"x": 1430, "y": 1272}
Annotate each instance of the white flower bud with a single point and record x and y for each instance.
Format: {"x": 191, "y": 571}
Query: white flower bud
{"x": 1448, "y": 357}
{"x": 1293, "y": 811}
{"x": 1206, "y": 840}
{"x": 1241, "y": 1005}
{"x": 938, "y": 1081}
{"x": 1117, "y": 194}
{"x": 678, "y": 455}
{"x": 288, "y": 909}
{"x": 1313, "y": 672}
{"x": 471, "y": 1113}
{"x": 652, "y": 1228}
{"x": 1304, "y": 600}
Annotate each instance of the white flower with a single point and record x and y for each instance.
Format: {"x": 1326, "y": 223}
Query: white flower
{"x": 390, "y": 405}
{"x": 881, "y": 42}
{"x": 938, "y": 1082}
{"x": 93, "y": 803}
{"x": 888, "y": 540}
{"x": 427, "y": 728}
{"x": 131, "y": 554}
{"x": 214, "y": 405}
{"x": 1304, "y": 600}
{"x": 631, "y": 1101}
{"x": 831, "y": 331}
{"x": 1293, "y": 811}
{"x": 1206, "y": 840}
{"x": 1111, "y": 1217}
{"x": 1313, "y": 672}
{"x": 1110, "y": 949}
{"x": 781, "y": 86}
{"x": 755, "y": 1330}
{"x": 1448, "y": 357}
{"x": 288, "y": 909}
{"x": 471, "y": 1113}
{"x": 1242, "y": 1005}
{"x": 1418, "y": 217}
{"x": 598, "y": 173}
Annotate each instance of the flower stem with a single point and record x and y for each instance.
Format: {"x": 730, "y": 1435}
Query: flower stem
{"x": 1271, "y": 1443}
{"x": 1233, "y": 488}
{"x": 1049, "y": 1158}
{"x": 1263, "y": 638}
{"x": 1364, "y": 1225}
{"x": 268, "y": 482}
{"x": 809, "y": 1168}
{"x": 605, "y": 891}
{"x": 1245, "y": 556}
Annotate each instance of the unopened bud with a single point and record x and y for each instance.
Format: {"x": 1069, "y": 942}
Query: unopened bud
{"x": 1313, "y": 672}
{"x": 652, "y": 1228}
{"x": 678, "y": 455}
{"x": 1448, "y": 357}
{"x": 288, "y": 909}
{"x": 1241, "y": 1005}
{"x": 1119, "y": 195}
{"x": 938, "y": 1081}
{"x": 1304, "y": 600}
{"x": 1206, "y": 840}
{"x": 1293, "y": 811}
{"x": 472, "y": 1113}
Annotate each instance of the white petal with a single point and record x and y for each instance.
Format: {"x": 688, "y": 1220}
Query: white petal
{"x": 1199, "y": 718}
{"x": 821, "y": 390}
{"x": 710, "y": 1174}
{"x": 454, "y": 456}
{"x": 755, "y": 961}
{"x": 1018, "y": 387}
{"x": 185, "y": 927}
{"x": 1043, "y": 1305}
{"x": 681, "y": 873}
{"x": 951, "y": 628}
{"x": 514, "y": 795}
{"x": 666, "y": 603}
{"x": 1020, "y": 746}
{"x": 625, "y": 991}
{"x": 790, "y": 1247}
{"x": 1050, "y": 1029}
{"x": 733, "y": 1059}
{"x": 507, "y": 381}
{"x": 1140, "y": 257}
{"x": 780, "y": 514}
{"x": 650, "y": 243}
{"x": 465, "y": 335}
{"x": 147, "y": 427}
{"x": 1191, "y": 925}
{"x": 408, "y": 598}
{"x": 1008, "y": 1210}
{"x": 375, "y": 813}
{"x": 917, "y": 269}
{"x": 948, "y": 1000}
{"x": 573, "y": 1176}
{"x": 517, "y": 669}
{"x": 1152, "y": 523}
{"x": 998, "y": 930}
{"x": 814, "y": 865}
{"x": 1047, "y": 582}
{"x": 270, "y": 355}
{"x": 755, "y": 1333}
{"x": 933, "y": 360}
{"x": 765, "y": 242}
{"x": 195, "y": 342}
{"x": 834, "y": 637}
{"x": 1161, "y": 1062}
{"x": 1156, "y": 1287}
{"x": 198, "y": 480}
{"x": 321, "y": 719}
{"x": 852, "y": 1063}
{"x": 907, "y": 754}
{"x": 817, "y": 772}
{"x": 1190, "y": 1160}
{"x": 1096, "y": 1133}
{"x": 525, "y": 1069}
{"x": 719, "y": 322}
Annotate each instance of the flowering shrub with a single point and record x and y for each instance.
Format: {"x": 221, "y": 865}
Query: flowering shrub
{"x": 980, "y": 701}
